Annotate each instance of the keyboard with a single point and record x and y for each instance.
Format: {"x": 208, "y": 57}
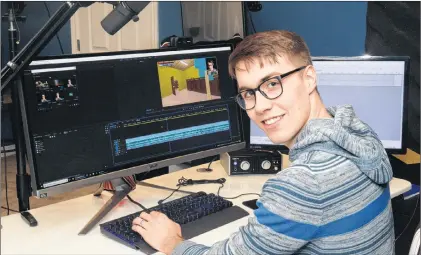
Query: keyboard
{"x": 196, "y": 213}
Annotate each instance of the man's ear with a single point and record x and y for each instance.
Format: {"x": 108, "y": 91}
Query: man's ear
{"x": 310, "y": 78}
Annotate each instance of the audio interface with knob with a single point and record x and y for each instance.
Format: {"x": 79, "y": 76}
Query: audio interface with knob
{"x": 249, "y": 161}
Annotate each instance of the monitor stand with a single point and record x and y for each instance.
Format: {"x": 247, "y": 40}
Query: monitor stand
{"x": 122, "y": 189}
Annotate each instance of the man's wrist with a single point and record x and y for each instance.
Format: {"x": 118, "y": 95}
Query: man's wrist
{"x": 170, "y": 246}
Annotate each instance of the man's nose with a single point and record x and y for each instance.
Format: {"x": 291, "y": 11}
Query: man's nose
{"x": 262, "y": 103}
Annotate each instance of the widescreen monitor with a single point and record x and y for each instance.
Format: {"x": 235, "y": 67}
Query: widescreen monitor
{"x": 96, "y": 117}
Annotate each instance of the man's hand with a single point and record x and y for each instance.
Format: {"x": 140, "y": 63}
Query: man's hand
{"x": 158, "y": 231}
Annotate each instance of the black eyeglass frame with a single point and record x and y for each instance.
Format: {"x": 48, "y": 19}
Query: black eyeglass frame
{"x": 238, "y": 97}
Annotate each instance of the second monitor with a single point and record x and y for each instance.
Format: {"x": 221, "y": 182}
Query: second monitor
{"x": 375, "y": 87}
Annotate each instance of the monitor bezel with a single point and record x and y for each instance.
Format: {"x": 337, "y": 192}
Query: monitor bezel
{"x": 404, "y": 135}
{"x": 133, "y": 167}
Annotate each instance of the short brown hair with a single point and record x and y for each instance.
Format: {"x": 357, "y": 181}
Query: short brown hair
{"x": 269, "y": 46}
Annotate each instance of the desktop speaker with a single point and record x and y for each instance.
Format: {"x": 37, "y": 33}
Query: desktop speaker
{"x": 248, "y": 161}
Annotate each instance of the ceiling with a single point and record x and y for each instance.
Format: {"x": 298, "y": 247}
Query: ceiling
{"x": 182, "y": 64}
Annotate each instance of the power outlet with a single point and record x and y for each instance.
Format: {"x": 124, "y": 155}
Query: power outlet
{"x": 254, "y": 6}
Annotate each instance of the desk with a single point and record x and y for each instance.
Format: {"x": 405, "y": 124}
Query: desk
{"x": 410, "y": 157}
{"x": 59, "y": 224}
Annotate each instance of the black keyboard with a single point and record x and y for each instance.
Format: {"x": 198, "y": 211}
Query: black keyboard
{"x": 196, "y": 213}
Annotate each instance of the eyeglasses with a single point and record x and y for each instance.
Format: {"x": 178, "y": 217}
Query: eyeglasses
{"x": 270, "y": 88}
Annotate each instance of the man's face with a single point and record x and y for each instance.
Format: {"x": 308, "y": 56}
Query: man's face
{"x": 210, "y": 65}
{"x": 281, "y": 118}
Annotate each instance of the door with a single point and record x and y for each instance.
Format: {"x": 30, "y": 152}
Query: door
{"x": 174, "y": 85}
{"x": 88, "y": 36}
{"x": 214, "y": 20}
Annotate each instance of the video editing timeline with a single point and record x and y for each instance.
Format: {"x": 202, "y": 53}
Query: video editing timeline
{"x": 169, "y": 136}
{"x": 55, "y": 88}
{"x": 142, "y": 138}
{"x": 97, "y": 159}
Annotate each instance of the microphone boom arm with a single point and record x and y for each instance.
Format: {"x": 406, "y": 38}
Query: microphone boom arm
{"x": 38, "y": 42}
{"x": 121, "y": 14}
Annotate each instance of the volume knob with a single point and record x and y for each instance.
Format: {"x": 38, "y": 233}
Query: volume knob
{"x": 245, "y": 165}
{"x": 266, "y": 164}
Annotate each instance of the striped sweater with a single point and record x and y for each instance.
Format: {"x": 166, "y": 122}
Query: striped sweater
{"x": 333, "y": 199}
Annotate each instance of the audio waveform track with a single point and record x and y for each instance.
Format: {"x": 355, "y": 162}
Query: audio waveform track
{"x": 184, "y": 115}
{"x": 179, "y": 134}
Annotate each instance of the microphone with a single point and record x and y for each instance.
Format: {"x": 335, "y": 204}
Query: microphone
{"x": 121, "y": 15}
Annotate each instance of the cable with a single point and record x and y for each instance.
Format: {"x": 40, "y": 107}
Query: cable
{"x": 16, "y": 22}
{"x": 137, "y": 203}
{"x": 165, "y": 44}
{"x": 208, "y": 169}
{"x": 184, "y": 182}
{"x": 164, "y": 188}
{"x": 407, "y": 225}
{"x": 5, "y": 180}
{"x": 130, "y": 199}
{"x": 251, "y": 20}
{"x": 2, "y": 56}
{"x": 182, "y": 21}
{"x": 244, "y": 194}
{"x": 58, "y": 38}
{"x": 162, "y": 200}
{"x": 10, "y": 209}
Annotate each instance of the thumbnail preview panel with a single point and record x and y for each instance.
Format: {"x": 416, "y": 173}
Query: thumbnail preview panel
{"x": 56, "y": 90}
{"x": 188, "y": 81}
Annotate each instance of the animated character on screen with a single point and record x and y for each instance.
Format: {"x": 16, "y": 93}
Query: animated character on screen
{"x": 40, "y": 84}
{"x": 58, "y": 98}
{"x": 44, "y": 99}
{"x": 211, "y": 70}
{"x": 69, "y": 83}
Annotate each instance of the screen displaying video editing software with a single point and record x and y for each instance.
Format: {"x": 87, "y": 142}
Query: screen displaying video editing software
{"x": 93, "y": 114}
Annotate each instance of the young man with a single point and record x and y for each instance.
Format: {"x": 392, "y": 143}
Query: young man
{"x": 333, "y": 199}
{"x": 211, "y": 70}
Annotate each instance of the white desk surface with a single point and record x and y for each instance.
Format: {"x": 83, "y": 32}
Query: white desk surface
{"x": 60, "y": 223}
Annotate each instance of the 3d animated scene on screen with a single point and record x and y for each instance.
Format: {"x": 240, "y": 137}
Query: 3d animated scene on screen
{"x": 187, "y": 81}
